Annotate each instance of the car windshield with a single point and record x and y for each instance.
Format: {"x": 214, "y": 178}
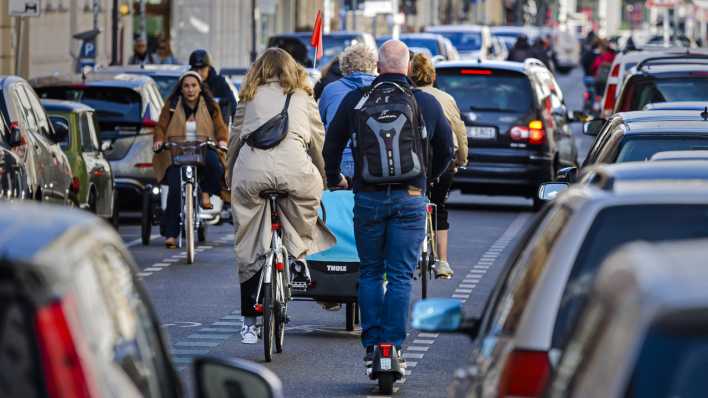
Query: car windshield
{"x": 673, "y": 360}
{"x": 166, "y": 84}
{"x": 503, "y": 91}
{"x": 669, "y": 90}
{"x": 640, "y": 148}
{"x": 113, "y": 105}
{"x": 430, "y": 44}
{"x": 464, "y": 41}
{"x": 613, "y": 227}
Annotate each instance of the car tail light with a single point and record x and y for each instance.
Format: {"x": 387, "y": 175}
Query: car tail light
{"x": 533, "y": 133}
{"x": 66, "y": 373}
{"x": 525, "y": 374}
{"x": 475, "y": 72}
{"x": 143, "y": 165}
{"x": 386, "y": 350}
{"x": 615, "y": 71}
{"x": 610, "y": 98}
{"x": 75, "y": 185}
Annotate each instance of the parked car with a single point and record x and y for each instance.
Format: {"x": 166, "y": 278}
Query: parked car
{"x": 647, "y": 312}
{"x": 528, "y": 319}
{"x": 76, "y": 124}
{"x": 14, "y": 183}
{"x": 509, "y": 34}
{"x": 680, "y": 155}
{"x": 623, "y": 64}
{"x": 471, "y": 41}
{"x": 298, "y": 45}
{"x": 664, "y": 79}
{"x": 677, "y": 106}
{"x": 165, "y": 76}
{"x": 127, "y": 107}
{"x": 436, "y": 44}
{"x": 637, "y": 136}
{"x": 33, "y": 139}
{"x": 518, "y": 132}
{"x": 77, "y": 322}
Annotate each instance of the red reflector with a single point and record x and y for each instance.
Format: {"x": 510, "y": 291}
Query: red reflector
{"x": 536, "y": 136}
{"x": 279, "y": 266}
{"x": 64, "y": 370}
{"x": 615, "y": 71}
{"x": 386, "y": 350}
{"x": 475, "y": 72}
{"x": 274, "y": 227}
{"x": 519, "y": 133}
{"x": 98, "y": 173}
{"x": 143, "y": 165}
{"x": 14, "y": 125}
{"x": 610, "y": 98}
{"x": 258, "y": 308}
{"x": 429, "y": 208}
{"x": 525, "y": 374}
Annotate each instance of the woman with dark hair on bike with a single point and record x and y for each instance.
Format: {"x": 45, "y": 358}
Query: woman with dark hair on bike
{"x": 189, "y": 113}
{"x": 294, "y": 166}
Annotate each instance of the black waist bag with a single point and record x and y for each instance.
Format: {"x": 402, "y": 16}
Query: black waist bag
{"x": 272, "y": 132}
{"x": 390, "y": 137}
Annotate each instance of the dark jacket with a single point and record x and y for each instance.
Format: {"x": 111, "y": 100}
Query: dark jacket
{"x": 520, "y": 51}
{"x": 148, "y": 58}
{"x": 220, "y": 89}
{"x": 339, "y": 133}
{"x": 333, "y": 74}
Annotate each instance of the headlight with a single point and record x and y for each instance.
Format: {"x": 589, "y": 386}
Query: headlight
{"x": 155, "y": 190}
{"x": 188, "y": 172}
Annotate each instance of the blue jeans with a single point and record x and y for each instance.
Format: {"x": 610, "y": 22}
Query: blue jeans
{"x": 389, "y": 228}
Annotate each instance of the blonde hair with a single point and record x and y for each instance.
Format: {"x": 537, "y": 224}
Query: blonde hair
{"x": 358, "y": 58}
{"x": 422, "y": 70}
{"x": 275, "y": 64}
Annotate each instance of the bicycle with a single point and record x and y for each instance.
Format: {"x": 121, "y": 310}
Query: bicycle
{"x": 274, "y": 283}
{"x": 189, "y": 155}
{"x": 429, "y": 249}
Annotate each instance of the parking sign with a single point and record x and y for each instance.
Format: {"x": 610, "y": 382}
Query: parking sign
{"x": 24, "y": 8}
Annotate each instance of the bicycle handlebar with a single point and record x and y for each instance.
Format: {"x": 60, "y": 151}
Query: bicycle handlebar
{"x": 171, "y": 144}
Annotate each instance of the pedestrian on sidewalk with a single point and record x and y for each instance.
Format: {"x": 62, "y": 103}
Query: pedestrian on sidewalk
{"x": 164, "y": 55}
{"x": 358, "y": 65}
{"x": 141, "y": 55}
{"x": 294, "y": 166}
{"x": 422, "y": 72}
{"x": 389, "y": 187}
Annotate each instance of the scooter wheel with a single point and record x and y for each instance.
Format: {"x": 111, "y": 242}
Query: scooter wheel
{"x": 386, "y": 381}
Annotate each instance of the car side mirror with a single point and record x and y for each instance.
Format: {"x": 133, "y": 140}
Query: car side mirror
{"x": 549, "y": 190}
{"x": 578, "y": 116}
{"x": 234, "y": 378}
{"x": 61, "y": 131}
{"x": 567, "y": 175}
{"x": 593, "y": 127}
{"x": 440, "y": 315}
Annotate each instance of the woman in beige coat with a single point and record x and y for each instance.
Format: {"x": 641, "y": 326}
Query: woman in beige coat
{"x": 295, "y": 165}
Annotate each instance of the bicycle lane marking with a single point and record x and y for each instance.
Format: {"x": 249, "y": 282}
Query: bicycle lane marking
{"x": 179, "y": 256}
{"x": 422, "y": 342}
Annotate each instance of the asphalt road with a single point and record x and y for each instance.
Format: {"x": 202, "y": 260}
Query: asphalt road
{"x": 199, "y": 305}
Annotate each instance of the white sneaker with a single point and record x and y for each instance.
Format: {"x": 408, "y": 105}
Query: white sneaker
{"x": 249, "y": 334}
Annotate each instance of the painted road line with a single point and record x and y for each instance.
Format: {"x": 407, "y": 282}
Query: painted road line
{"x": 467, "y": 291}
{"x": 429, "y": 335}
{"x": 220, "y": 323}
{"x": 209, "y": 336}
{"x": 461, "y": 296}
{"x": 220, "y": 330}
{"x": 196, "y": 344}
{"x": 152, "y": 269}
{"x": 232, "y": 317}
{"x": 188, "y": 352}
{"x": 161, "y": 265}
{"x": 170, "y": 260}
{"x": 468, "y": 286}
{"x": 417, "y": 348}
{"x": 477, "y": 271}
{"x": 412, "y": 355}
{"x": 411, "y": 364}
{"x": 421, "y": 341}
{"x": 144, "y": 274}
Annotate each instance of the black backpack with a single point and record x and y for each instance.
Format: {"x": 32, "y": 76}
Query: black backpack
{"x": 389, "y": 138}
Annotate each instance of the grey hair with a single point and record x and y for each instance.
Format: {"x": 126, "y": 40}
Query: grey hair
{"x": 393, "y": 57}
{"x": 358, "y": 58}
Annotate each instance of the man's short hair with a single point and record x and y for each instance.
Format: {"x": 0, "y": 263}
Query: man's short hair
{"x": 358, "y": 58}
{"x": 422, "y": 70}
{"x": 393, "y": 55}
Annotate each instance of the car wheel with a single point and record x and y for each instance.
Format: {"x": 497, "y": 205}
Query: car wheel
{"x": 537, "y": 203}
{"x": 115, "y": 214}
{"x": 92, "y": 202}
{"x": 564, "y": 70}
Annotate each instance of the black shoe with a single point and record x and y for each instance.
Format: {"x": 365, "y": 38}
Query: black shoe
{"x": 299, "y": 275}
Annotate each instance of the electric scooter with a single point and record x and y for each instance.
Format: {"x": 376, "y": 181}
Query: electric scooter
{"x": 386, "y": 367}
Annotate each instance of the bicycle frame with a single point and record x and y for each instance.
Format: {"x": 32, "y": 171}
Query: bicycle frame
{"x": 277, "y": 252}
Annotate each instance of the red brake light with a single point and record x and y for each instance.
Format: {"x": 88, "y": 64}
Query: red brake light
{"x": 610, "y": 98}
{"x": 533, "y": 133}
{"x": 525, "y": 374}
{"x": 386, "y": 350}
{"x": 475, "y": 72}
{"x": 65, "y": 372}
{"x": 615, "y": 71}
{"x": 143, "y": 165}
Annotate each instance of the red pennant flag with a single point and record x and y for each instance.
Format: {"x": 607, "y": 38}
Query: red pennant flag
{"x": 316, "y": 39}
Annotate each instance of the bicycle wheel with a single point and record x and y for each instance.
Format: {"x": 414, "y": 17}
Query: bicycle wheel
{"x": 280, "y": 309}
{"x": 386, "y": 381}
{"x": 424, "y": 271}
{"x": 189, "y": 221}
{"x": 268, "y": 321}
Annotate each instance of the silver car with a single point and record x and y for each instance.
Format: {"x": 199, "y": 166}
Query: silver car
{"x": 644, "y": 332}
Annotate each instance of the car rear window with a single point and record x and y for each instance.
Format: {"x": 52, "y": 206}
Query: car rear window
{"x": 113, "y": 105}
{"x": 486, "y": 89}
{"x": 673, "y": 358}
{"x": 464, "y": 41}
{"x": 613, "y": 227}
{"x": 667, "y": 90}
{"x": 166, "y": 84}
{"x": 638, "y": 148}
{"x": 20, "y": 368}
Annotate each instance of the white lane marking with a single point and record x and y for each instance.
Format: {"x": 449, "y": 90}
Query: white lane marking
{"x": 220, "y": 330}
{"x": 152, "y": 269}
{"x": 161, "y": 265}
{"x": 143, "y": 274}
{"x": 422, "y": 341}
{"x": 196, "y": 344}
{"x": 417, "y": 348}
{"x": 206, "y": 247}
{"x": 468, "y": 286}
{"x": 227, "y": 323}
{"x": 429, "y": 335}
{"x": 139, "y": 241}
{"x": 467, "y": 291}
{"x": 412, "y": 355}
{"x": 411, "y": 364}
{"x": 170, "y": 260}
{"x": 232, "y": 317}
{"x": 477, "y": 271}
{"x": 461, "y": 296}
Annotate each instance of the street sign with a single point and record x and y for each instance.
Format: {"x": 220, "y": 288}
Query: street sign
{"x": 24, "y": 8}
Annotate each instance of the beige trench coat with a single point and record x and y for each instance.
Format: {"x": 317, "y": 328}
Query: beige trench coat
{"x": 295, "y": 165}
{"x": 452, "y": 114}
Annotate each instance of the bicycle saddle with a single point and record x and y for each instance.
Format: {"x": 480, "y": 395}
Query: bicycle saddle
{"x": 269, "y": 193}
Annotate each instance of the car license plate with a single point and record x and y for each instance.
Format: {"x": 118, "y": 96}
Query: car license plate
{"x": 385, "y": 363}
{"x": 483, "y": 133}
